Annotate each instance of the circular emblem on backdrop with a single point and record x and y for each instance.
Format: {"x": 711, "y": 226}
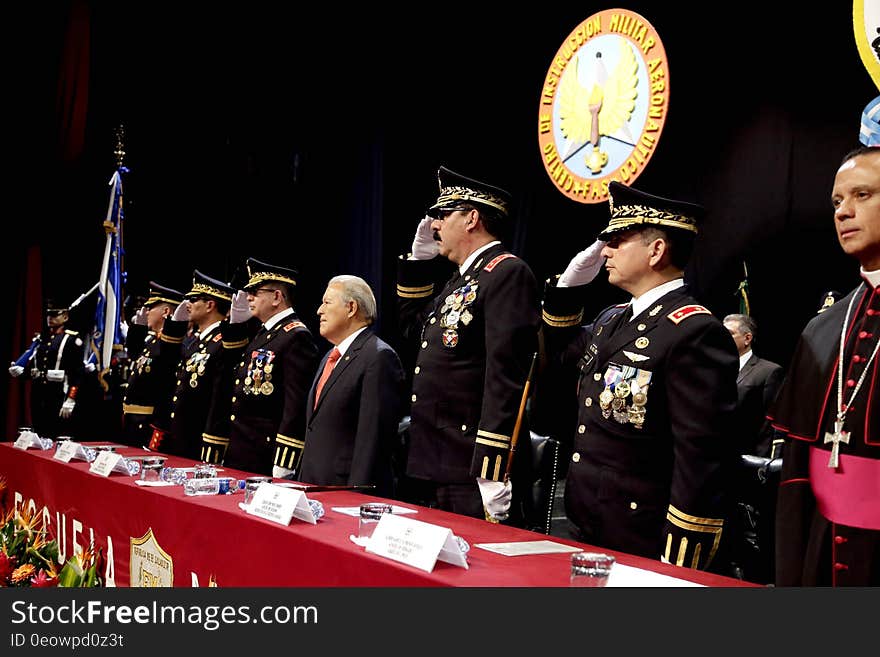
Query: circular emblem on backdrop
{"x": 603, "y": 105}
{"x": 866, "y": 24}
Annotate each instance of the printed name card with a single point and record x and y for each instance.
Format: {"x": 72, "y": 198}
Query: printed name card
{"x": 416, "y": 543}
{"x": 27, "y": 439}
{"x": 68, "y": 450}
{"x": 107, "y": 462}
{"x": 280, "y": 504}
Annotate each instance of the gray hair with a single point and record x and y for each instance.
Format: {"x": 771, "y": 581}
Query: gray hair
{"x": 745, "y": 324}
{"x": 355, "y": 288}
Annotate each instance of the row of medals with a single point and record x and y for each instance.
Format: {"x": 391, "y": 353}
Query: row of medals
{"x": 259, "y": 377}
{"x": 454, "y": 310}
{"x": 613, "y": 402}
{"x": 196, "y": 367}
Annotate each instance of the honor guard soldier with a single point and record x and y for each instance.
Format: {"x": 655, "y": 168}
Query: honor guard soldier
{"x": 267, "y": 407}
{"x": 179, "y": 427}
{"x": 54, "y": 363}
{"x": 656, "y": 390}
{"x": 476, "y": 339}
{"x": 828, "y": 507}
{"x": 150, "y": 378}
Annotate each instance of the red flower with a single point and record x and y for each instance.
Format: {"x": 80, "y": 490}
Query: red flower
{"x": 42, "y": 581}
{"x": 7, "y": 564}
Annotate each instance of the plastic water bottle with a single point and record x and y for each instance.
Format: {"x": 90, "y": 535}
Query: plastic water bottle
{"x": 213, "y": 486}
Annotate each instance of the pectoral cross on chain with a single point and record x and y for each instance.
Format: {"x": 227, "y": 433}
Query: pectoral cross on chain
{"x": 839, "y": 436}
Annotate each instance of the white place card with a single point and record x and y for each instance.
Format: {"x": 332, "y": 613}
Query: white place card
{"x": 416, "y": 543}
{"x": 68, "y": 450}
{"x": 279, "y": 504}
{"x": 27, "y": 439}
{"x": 107, "y": 462}
{"x": 519, "y": 548}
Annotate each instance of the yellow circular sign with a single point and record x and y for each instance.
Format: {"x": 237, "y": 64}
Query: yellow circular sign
{"x": 866, "y": 24}
{"x": 603, "y": 105}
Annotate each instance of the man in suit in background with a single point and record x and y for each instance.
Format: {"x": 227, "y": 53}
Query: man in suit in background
{"x": 270, "y": 385}
{"x": 757, "y": 383}
{"x": 356, "y": 401}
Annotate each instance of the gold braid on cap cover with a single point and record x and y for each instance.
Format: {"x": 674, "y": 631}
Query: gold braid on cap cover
{"x": 202, "y": 288}
{"x": 629, "y": 215}
{"x": 260, "y": 276}
{"x": 156, "y": 298}
{"x": 467, "y": 194}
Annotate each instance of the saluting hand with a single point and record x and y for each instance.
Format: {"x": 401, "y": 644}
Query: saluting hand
{"x": 424, "y": 246}
{"x": 584, "y": 267}
{"x": 239, "y": 311}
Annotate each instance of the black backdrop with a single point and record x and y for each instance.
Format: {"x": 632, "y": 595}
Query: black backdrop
{"x": 248, "y": 129}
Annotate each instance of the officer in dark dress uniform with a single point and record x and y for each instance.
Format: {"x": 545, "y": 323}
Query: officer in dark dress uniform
{"x": 151, "y": 374}
{"x": 476, "y": 339}
{"x": 55, "y": 366}
{"x": 270, "y": 384}
{"x": 828, "y": 506}
{"x": 657, "y": 389}
{"x": 179, "y": 425}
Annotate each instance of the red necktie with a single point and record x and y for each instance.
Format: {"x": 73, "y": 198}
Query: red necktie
{"x": 328, "y": 367}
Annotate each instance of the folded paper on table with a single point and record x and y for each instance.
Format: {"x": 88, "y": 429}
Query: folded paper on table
{"x": 416, "y": 543}
{"x": 279, "y": 504}
{"x": 519, "y": 548}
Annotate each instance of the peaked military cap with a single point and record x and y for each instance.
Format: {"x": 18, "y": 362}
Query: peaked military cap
{"x": 206, "y": 286}
{"x": 631, "y": 208}
{"x": 162, "y": 294}
{"x": 263, "y": 272}
{"x": 55, "y": 308}
{"x": 457, "y": 190}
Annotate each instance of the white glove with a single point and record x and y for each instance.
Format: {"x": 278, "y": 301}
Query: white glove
{"x": 67, "y": 408}
{"x": 496, "y": 497}
{"x": 140, "y": 317}
{"x": 424, "y": 247}
{"x": 239, "y": 311}
{"x": 90, "y": 367}
{"x": 16, "y": 370}
{"x": 55, "y": 376}
{"x": 181, "y": 313}
{"x": 282, "y": 473}
{"x": 584, "y": 266}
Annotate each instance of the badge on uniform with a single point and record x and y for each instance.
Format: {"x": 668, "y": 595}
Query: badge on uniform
{"x": 259, "y": 373}
{"x": 195, "y": 367}
{"x": 625, "y": 394}
{"x": 454, "y": 310}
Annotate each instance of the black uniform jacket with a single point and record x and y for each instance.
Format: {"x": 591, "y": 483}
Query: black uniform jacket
{"x": 811, "y": 549}
{"x": 270, "y": 387}
{"x": 476, "y": 339}
{"x": 150, "y": 380}
{"x": 184, "y": 419}
{"x": 652, "y": 449}
{"x": 352, "y": 431}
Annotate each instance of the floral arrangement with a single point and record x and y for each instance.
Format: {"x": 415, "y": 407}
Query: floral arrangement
{"x": 29, "y": 559}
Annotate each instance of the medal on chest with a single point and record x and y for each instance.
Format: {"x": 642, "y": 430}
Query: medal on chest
{"x": 259, "y": 373}
{"x": 456, "y": 310}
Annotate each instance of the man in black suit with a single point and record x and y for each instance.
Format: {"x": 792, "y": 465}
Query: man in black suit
{"x": 355, "y": 403}
{"x": 476, "y": 339}
{"x": 656, "y": 392}
{"x": 757, "y": 383}
{"x": 270, "y": 385}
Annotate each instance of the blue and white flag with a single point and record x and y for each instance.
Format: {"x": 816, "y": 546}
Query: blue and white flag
{"x": 107, "y": 333}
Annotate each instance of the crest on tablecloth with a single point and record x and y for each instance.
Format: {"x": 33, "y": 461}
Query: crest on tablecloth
{"x": 151, "y": 566}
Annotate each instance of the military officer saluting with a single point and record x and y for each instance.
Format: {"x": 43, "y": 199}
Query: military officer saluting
{"x": 151, "y": 377}
{"x": 656, "y": 390}
{"x": 178, "y": 428}
{"x": 476, "y": 337}
{"x": 270, "y": 384}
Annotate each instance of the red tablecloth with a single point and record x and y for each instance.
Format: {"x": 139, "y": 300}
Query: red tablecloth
{"x": 211, "y": 536}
